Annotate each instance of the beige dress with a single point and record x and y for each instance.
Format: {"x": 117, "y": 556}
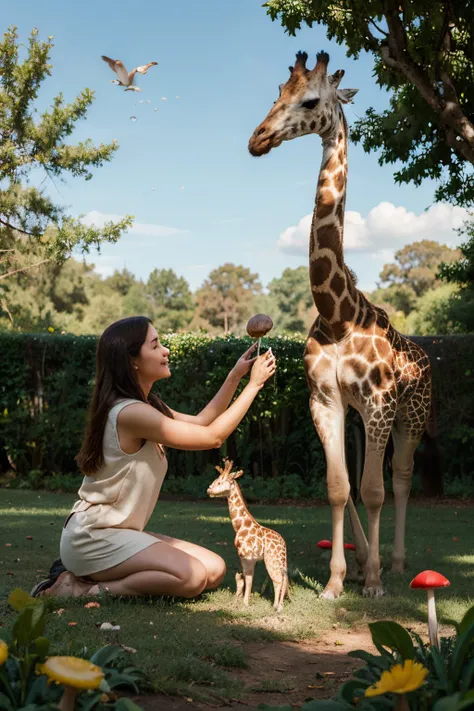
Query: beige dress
{"x": 105, "y": 527}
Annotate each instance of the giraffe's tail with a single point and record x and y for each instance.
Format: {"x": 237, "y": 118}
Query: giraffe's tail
{"x": 360, "y": 540}
{"x": 431, "y": 472}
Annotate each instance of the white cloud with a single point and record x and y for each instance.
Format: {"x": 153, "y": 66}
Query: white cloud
{"x": 98, "y": 219}
{"x": 385, "y": 229}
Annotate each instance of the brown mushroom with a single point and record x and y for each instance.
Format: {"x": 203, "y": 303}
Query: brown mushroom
{"x": 258, "y": 326}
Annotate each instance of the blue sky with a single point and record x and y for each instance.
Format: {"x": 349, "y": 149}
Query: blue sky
{"x": 212, "y": 202}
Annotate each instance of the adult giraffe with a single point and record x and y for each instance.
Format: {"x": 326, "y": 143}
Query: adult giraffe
{"x": 353, "y": 355}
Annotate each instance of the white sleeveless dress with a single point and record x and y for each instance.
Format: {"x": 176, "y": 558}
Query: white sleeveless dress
{"x": 105, "y": 527}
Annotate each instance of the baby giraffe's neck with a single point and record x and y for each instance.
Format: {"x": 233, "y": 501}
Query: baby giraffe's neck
{"x": 237, "y": 507}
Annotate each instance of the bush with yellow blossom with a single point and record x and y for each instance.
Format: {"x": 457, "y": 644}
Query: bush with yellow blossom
{"x": 33, "y": 680}
{"x": 407, "y": 674}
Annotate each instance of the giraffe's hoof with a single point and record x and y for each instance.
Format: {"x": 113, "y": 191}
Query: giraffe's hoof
{"x": 373, "y": 591}
{"x": 328, "y": 594}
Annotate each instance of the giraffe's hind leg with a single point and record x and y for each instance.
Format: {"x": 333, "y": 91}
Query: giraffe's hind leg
{"x": 405, "y": 441}
{"x": 240, "y": 584}
{"x": 378, "y": 422}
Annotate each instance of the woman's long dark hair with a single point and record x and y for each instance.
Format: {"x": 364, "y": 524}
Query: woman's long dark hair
{"x": 115, "y": 379}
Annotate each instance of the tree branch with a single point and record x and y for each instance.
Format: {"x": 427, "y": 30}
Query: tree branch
{"x": 23, "y": 269}
{"x": 397, "y": 56}
{"x": 17, "y": 229}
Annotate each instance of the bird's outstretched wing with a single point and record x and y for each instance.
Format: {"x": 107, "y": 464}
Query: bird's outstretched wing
{"x": 145, "y": 68}
{"x": 117, "y": 66}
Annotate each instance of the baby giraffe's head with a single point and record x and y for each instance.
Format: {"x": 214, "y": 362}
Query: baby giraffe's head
{"x": 309, "y": 102}
{"x": 222, "y": 486}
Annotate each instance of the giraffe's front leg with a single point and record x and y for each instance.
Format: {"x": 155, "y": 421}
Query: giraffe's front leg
{"x": 240, "y": 584}
{"x": 328, "y": 416}
{"x": 248, "y": 566}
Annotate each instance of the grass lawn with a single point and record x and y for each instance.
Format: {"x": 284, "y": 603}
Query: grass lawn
{"x": 193, "y": 645}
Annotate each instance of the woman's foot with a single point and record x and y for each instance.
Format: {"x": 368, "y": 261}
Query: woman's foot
{"x": 68, "y": 585}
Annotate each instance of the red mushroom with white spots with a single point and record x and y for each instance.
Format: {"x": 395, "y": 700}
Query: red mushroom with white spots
{"x": 429, "y": 580}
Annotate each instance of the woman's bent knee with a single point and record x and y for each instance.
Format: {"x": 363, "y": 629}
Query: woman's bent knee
{"x": 195, "y": 580}
{"x": 216, "y": 574}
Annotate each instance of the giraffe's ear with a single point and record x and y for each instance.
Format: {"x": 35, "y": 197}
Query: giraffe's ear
{"x": 335, "y": 78}
{"x": 345, "y": 95}
{"x": 235, "y": 475}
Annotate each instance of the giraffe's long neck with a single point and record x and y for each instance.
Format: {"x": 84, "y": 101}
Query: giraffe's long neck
{"x": 237, "y": 507}
{"x": 331, "y": 283}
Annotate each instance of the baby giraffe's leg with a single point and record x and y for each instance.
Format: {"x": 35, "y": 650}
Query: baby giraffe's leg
{"x": 248, "y": 566}
{"x": 283, "y": 589}
{"x": 240, "y": 583}
{"x": 277, "y": 587}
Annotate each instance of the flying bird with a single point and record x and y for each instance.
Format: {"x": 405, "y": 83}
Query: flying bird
{"x": 126, "y": 78}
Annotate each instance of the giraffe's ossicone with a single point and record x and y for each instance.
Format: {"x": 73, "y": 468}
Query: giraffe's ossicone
{"x": 353, "y": 356}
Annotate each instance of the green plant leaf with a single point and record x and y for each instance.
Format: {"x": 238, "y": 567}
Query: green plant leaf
{"x": 19, "y": 599}
{"x": 325, "y": 705}
{"x": 392, "y": 635}
{"x": 40, "y": 646}
{"x": 466, "y": 621}
{"x": 455, "y": 702}
{"x": 125, "y": 704}
{"x": 371, "y": 659}
{"x": 107, "y": 654}
{"x": 5, "y": 703}
{"x": 460, "y": 653}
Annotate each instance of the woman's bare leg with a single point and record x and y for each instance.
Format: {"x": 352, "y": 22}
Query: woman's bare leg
{"x": 160, "y": 569}
{"x": 214, "y": 564}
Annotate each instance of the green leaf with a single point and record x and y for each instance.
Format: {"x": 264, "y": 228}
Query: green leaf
{"x": 107, "y": 654}
{"x": 6, "y": 704}
{"x": 125, "y": 704}
{"x": 370, "y": 659}
{"x": 455, "y": 702}
{"x": 466, "y": 621}
{"x": 460, "y": 653}
{"x": 19, "y": 599}
{"x": 394, "y": 636}
{"x": 41, "y": 647}
{"x": 325, "y": 705}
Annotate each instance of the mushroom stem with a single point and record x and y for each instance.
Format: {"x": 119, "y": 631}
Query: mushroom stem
{"x": 432, "y": 621}
{"x": 401, "y": 703}
{"x": 258, "y": 347}
{"x": 68, "y": 699}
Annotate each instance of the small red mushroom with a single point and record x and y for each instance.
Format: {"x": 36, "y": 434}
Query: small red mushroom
{"x": 429, "y": 580}
{"x": 326, "y": 545}
{"x": 349, "y": 547}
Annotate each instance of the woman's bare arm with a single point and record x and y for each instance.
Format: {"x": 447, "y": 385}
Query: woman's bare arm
{"x": 218, "y": 404}
{"x": 145, "y": 422}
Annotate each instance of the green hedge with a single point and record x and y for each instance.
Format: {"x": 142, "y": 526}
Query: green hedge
{"x": 46, "y": 381}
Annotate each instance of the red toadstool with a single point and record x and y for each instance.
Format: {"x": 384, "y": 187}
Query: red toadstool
{"x": 429, "y": 580}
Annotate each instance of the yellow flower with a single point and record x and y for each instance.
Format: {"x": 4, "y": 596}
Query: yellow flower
{"x": 399, "y": 679}
{"x": 3, "y": 652}
{"x": 50, "y": 329}
{"x": 72, "y": 671}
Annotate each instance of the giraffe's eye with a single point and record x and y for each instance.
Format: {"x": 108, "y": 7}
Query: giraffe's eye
{"x": 311, "y": 104}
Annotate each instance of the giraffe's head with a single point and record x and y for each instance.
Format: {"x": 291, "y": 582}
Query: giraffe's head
{"x": 223, "y": 484}
{"x": 309, "y": 102}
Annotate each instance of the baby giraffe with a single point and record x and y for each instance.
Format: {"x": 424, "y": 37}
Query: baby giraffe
{"x": 253, "y": 541}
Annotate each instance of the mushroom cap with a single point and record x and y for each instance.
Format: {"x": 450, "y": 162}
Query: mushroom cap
{"x": 259, "y": 325}
{"x": 72, "y": 671}
{"x": 349, "y": 547}
{"x": 324, "y": 544}
{"x": 429, "y": 579}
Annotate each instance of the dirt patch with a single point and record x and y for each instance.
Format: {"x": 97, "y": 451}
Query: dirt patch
{"x": 282, "y": 673}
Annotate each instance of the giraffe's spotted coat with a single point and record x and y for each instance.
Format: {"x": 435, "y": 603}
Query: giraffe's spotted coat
{"x": 253, "y": 541}
{"x": 353, "y": 356}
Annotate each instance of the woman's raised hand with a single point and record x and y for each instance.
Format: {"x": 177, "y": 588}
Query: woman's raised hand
{"x": 263, "y": 369}
{"x": 245, "y": 362}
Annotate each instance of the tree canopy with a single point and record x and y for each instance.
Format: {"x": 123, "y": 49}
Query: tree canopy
{"x": 34, "y": 152}
{"x": 423, "y": 54}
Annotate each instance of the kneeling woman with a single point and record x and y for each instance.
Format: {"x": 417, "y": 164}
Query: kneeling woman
{"x": 103, "y": 541}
